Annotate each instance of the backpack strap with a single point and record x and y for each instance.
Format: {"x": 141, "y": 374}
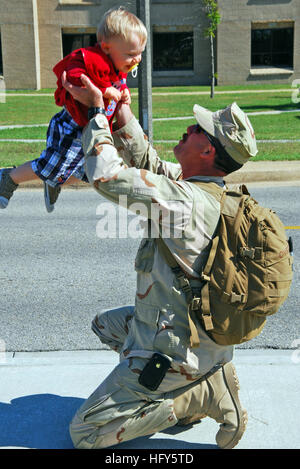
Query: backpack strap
{"x": 218, "y": 192}
{"x": 184, "y": 284}
{"x": 194, "y": 303}
{"x": 206, "y": 313}
{"x": 211, "y": 187}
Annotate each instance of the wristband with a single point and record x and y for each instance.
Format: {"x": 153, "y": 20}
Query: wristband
{"x": 92, "y": 111}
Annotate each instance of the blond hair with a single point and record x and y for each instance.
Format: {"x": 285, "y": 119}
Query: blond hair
{"x": 118, "y": 22}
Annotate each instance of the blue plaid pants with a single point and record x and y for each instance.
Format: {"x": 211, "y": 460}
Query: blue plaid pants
{"x": 63, "y": 156}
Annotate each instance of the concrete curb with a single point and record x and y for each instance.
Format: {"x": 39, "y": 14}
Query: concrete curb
{"x": 266, "y": 171}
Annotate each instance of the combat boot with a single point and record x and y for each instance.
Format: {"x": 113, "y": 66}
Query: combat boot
{"x": 7, "y": 187}
{"x": 216, "y": 396}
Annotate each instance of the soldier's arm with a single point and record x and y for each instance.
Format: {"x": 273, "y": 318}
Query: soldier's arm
{"x": 135, "y": 149}
{"x": 129, "y": 138}
{"x": 156, "y": 197}
{"x": 112, "y": 177}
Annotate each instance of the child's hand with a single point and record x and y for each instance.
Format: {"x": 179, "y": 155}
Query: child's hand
{"x": 125, "y": 96}
{"x": 112, "y": 93}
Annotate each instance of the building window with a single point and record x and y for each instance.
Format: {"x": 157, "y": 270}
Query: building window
{"x": 173, "y": 51}
{"x": 73, "y": 41}
{"x": 272, "y": 47}
{"x": 78, "y": 2}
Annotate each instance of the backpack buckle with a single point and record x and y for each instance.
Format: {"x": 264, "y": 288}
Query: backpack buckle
{"x": 205, "y": 278}
{"x": 196, "y": 304}
{"x": 207, "y": 320}
{"x": 247, "y": 252}
{"x": 234, "y": 297}
{"x": 184, "y": 284}
{"x": 252, "y": 253}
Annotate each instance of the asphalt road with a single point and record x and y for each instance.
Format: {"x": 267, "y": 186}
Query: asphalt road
{"x": 56, "y": 273}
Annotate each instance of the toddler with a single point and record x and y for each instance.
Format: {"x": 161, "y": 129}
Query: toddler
{"x": 121, "y": 39}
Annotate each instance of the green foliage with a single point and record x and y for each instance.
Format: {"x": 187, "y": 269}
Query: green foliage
{"x": 213, "y": 15}
{"x": 214, "y": 18}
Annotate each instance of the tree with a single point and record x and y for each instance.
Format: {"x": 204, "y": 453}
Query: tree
{"x": 214, "y": 18}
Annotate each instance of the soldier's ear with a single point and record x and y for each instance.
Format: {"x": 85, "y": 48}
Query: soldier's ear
{"x": 210, "y": 151}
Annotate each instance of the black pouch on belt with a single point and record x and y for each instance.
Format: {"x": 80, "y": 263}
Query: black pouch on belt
{"x": 154, "y": 371}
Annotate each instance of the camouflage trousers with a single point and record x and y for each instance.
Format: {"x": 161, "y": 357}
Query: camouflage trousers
{"x": 121, "y": 409}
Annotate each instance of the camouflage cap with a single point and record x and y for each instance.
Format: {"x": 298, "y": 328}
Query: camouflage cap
{"x": 232, "y": 128}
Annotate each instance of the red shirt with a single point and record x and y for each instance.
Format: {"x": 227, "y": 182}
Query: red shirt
{"x": 94, "y": 63}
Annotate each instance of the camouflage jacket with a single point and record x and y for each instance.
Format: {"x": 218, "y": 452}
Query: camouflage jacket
{"x": 125, "y": 166}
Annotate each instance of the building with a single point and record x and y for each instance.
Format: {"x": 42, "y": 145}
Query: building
{"x": 257, "y": 40}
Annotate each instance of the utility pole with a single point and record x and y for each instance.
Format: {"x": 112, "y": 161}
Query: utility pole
{"x": 145, "y": 73}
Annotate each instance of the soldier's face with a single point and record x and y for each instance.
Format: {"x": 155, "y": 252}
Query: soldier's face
{"x": 193, "y": 144}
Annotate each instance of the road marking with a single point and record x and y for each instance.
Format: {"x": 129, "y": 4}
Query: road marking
{"x": 292, "y": 227}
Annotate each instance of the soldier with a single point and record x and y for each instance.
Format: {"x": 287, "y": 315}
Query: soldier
{"x": 161, "y": 379}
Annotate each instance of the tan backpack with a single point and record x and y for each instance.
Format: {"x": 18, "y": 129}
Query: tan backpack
{"x": 248, "y": 272}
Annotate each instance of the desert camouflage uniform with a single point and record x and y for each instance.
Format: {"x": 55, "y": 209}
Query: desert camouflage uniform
{"x": 121, "y": 409}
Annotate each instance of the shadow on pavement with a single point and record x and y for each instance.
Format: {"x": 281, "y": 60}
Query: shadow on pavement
{"x": 38, "y": 421}
{"x": 41, "y": 421}
{"x": 161, "y": 444}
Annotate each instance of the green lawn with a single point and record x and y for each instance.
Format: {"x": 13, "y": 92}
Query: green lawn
{"x": 182, "y": 105}
{"x": 39, "y": 110}
{"x": 266, "y": 151}
{"x": 12, "y": 153}
{"x": 282, "y": 126}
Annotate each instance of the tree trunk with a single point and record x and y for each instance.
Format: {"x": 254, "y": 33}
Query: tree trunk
{"x": 212, "y": 86}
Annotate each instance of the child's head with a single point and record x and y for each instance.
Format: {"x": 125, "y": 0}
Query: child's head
{"x": 123, "y": 37}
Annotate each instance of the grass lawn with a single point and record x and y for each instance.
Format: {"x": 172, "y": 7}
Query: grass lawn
{"x": 266, "y": 151}
{"x": 39, "y": 110}
{"x": 12, "y": 153}
{"x": 281, "y": 126}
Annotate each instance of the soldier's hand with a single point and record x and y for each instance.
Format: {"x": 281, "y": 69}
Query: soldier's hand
{"x": 89, "y": 94}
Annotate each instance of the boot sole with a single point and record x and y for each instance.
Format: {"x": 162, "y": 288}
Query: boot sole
{"x": 50, "y": 205}
{"x": 3, "y": 202}
{"x": 233, "y": 387}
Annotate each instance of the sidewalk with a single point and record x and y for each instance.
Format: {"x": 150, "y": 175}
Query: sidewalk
{"x": 40, "y": 393}
{"x": 266, "y": 171}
